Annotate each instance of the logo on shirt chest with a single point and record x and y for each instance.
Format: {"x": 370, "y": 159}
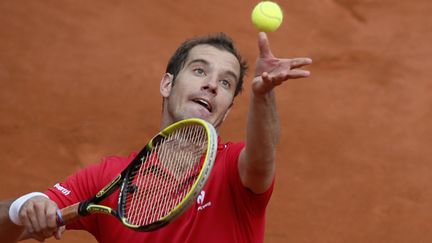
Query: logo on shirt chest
{"x": 202, "y": 204}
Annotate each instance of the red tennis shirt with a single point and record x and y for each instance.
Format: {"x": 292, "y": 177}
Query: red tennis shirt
{"x": 225, "y": 211}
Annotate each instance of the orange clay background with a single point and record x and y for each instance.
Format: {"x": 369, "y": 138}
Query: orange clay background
{"x": 80, "y": 80}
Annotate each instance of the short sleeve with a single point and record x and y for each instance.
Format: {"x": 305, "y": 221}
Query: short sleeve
{"x": 252, "y": 202}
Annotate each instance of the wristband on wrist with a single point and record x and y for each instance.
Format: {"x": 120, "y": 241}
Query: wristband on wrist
{"x": 17, "y": 204}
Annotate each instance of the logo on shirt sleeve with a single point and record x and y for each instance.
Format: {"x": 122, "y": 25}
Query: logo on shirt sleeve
{"x": 62, "y": 189}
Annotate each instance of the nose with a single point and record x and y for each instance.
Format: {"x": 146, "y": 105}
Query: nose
{"x": 211, "y": 85}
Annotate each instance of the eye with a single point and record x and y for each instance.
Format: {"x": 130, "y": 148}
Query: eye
{"x": 199, "y": 71}
{"x": 225, "y": 83}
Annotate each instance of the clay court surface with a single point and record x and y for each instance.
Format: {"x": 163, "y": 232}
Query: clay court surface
{"x": 80, "y": 80}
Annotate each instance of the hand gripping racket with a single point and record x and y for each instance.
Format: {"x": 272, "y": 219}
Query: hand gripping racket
{"x": 161, "y": 182}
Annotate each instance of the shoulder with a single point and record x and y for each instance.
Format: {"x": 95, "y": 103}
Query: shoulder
{"x": 115, "y": 163}
{"x": 107, "y": 167}
{"x": 228, "y": 156}
{"x": 88, "y": 180}
{"x": 229, "y": 152}
{"x": 95, "y": 175}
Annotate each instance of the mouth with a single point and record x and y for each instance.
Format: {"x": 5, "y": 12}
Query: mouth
{"x": 204, "y": 103}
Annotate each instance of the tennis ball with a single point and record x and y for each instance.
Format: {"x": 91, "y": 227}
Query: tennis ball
{"x": 267, "y": 16}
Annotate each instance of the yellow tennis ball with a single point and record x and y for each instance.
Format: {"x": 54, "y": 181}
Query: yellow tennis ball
{"x": 267, "y": 16}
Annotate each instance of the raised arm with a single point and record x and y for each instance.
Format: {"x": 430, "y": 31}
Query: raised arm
{"x": 257, "y": 160}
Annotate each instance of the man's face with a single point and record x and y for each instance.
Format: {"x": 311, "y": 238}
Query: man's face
{"x": 204, "y": 88}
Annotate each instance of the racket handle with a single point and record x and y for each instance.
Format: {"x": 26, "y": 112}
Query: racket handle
{"x": 68, "y": 214}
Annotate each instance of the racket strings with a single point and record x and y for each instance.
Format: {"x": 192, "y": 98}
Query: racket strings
{"x": 136, "y": 193}
{"x": 179, "y": 169}
{"x": 186, "y": 169}
{"x": 166, "y": 175}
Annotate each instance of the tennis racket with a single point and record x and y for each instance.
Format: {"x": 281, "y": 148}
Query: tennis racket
{"x": 161, "y": 182}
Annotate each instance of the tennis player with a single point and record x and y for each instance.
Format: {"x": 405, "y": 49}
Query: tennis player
{"x": 202, "y": 79}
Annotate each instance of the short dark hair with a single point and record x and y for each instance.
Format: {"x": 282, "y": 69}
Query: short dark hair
{"x": 220, "y": 41}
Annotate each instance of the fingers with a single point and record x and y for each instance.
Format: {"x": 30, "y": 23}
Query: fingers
{"x": 300, "y": 62}
{"x": 289, "y": 69}
{"x": 30, "y": 214}
{"x": 264, "y": 46}
{"x": 38, "y": 215}
{"x": 27, "y": 216}
{"x": 59, "y": 232}
{"x": 37, "y": 237}
{"x": 279, "y": 78}
{"x": 297, "y": 73}
{"x": 294, "y": 72}
{"x": 51, "y": 223}
{"x": 51, "y": 216}
{"x": 271, "y": 71}
{"x": 291, "y": 74}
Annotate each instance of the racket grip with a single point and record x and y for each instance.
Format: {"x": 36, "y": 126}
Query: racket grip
{"x": 67, "y": 214}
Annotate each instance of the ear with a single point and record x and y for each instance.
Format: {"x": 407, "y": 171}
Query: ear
{"x": 166, "y": 85}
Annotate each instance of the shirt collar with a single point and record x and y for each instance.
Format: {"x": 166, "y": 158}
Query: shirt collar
{"x": 221, "y": 146}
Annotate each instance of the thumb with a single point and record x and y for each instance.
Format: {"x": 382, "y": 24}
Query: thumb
{"x": 60, "y": 230}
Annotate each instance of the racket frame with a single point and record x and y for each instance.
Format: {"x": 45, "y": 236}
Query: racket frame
{"x": 199, "y": 183}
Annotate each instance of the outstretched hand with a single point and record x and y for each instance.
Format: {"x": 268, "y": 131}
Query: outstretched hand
{"x": 271, "y": 71}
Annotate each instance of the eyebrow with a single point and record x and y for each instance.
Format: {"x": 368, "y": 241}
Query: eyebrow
{"x": 199, "y": 60}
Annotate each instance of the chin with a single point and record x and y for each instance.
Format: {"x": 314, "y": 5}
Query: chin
{"x": 205, "y": 118}
{"x": 202, "y": 115}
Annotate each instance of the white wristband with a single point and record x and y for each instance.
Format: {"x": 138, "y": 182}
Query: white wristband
{"x": 17, "y": 204}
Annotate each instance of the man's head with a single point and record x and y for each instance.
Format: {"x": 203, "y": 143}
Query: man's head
{"x": 220, "y": 41}
{"x": 202, "y": 79}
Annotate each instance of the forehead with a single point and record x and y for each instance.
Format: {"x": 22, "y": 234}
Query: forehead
{"x": 215, "y": 57}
